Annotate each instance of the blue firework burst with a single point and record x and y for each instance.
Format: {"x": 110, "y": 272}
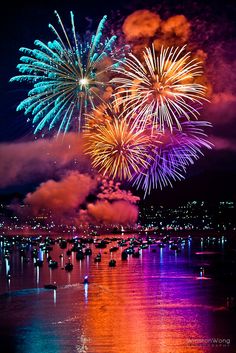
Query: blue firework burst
{"x": 69, "y": 77}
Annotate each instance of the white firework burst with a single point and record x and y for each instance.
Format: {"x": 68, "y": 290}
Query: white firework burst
{"x": 159, "y": 89}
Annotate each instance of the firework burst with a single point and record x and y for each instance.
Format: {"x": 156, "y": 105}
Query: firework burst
{"x": 177, "y": 150}
{"x": 160, "y": 89}
{"x": 116, "y": 149}
{"x": 69, "y": 77}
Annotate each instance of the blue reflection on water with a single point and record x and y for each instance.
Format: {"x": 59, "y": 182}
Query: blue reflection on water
{"x": 86, "y": 292}
{"x": 38, "y": 337}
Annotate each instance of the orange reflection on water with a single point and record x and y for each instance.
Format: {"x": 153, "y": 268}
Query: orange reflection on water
{"x": 126, "y": 313}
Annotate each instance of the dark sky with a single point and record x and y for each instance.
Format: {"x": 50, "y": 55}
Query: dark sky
{"x": 213, "y": 177}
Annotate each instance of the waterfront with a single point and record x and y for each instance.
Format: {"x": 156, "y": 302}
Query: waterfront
{"x": 163, "y": 301}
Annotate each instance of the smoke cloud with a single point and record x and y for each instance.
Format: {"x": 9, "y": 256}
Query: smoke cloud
{"x": 141, "y": 24}
{"x": 63, "y": 200}
{"x": 221, "y": 143}
{"x": 114, "y": 205}
{"x": 33, "y": 161}
{"x": 111, "y": 191}
{"x": 222, "y": 108}
{"x": 61, "y": 197}
{"x": 177, "y": 27}
{"x": 143, "y": 27}
{"x": 117, "y": 212}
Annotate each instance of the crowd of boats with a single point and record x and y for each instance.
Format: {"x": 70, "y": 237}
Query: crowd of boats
{"x": 81, "y": 246}
{"x": 29, "y": 249}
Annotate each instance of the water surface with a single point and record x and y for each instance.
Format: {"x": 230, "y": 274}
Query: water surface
{"x": 160, "y": 302}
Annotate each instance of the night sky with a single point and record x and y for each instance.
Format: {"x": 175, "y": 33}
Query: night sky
{"x": 213, "y": 28}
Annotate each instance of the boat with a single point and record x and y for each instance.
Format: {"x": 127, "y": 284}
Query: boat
{"x": 122, "y": 243}
{"x": 174, "y": 246}
{"x": 80, "y": 255}
{"x": 63, "y": 244}
{"x": 50, "y": 286}
{"x": 124, "y": 255}
{"x": 161, "y": 245}
{"x": 130, "y": 250}
{"x": 112, "y": 263}
{"x": 97, "y": 258}
{"x": 68, "y": 266}
{"x": 101, "y": 245}
{"x": 114, "y": 248}
{"x": 38, "y": 263}
{"x": 86, "y": 281}
{"x": 53, "y": 264}
{"x": 88, "y": 252}
{"x": 143, "y": 246}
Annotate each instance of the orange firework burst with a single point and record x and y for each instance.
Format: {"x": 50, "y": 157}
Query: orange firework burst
{"x": 161, "y": 88}
{"x": 116, "y": 148}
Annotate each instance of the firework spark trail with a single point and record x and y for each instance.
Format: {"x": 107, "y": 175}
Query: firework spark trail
{"x": 116, "y": 149}
{"x": 69, "y": 77}
{"x": 160, "y": 89}
{"x": 178, "y": 150}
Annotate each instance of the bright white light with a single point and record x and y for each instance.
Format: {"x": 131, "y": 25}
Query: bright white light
{"x": 83, "y": 81}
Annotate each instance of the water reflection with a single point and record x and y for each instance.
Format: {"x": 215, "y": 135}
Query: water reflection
{"x": 159, "y": 302}
{"x": 86, "y": 293}
{"x": 54, "y": 296}
{"x": 37, "y": 275}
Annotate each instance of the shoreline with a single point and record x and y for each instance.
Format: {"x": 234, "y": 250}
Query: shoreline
{"x": 151, "y": 233}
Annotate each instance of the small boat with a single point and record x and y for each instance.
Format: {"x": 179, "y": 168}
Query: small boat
{"x": 53, "y": 264}
{"x": 124, "y": 255}
{"x": 143, "y": 246}
{"x": 97, "y": 258}
{"x": 88, "y": 252}
{"x": 130, "y": 250}
{"x": 80, "y": 255}
{"x": 174, "y": 247}
{"x": 122, "y": 243}
{"x": 38, "y": 263}
{"x": 86, "y": 281}
{"x": 63, "y": 244}
{"x": 101, "y": 245}
{"x": 112, "y": 263}
{"x": 22, "y": 252}
{"x": 50, "y": 286}
{"x": 114, "y": 248}
{"x": 161, "y": 245}
{"x": 34, "y": 253}
{"x": 68, "y": 266}
{"x": 75, "y": 247}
